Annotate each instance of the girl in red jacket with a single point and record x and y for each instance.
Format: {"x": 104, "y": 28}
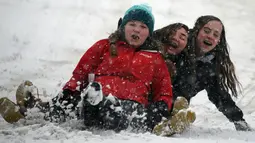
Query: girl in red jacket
{"x": 131, "y": 85}
{"x": 126, "y": 67}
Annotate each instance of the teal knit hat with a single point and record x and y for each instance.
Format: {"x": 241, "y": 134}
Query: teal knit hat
{"x": 141, "y": 13}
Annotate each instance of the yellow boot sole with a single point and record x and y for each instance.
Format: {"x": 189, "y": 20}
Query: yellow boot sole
{"x": 9, "y": 110}
{"x": 179, "y": 104}
{"x": 176, "y": 125}
{"x": 21, "y": 93}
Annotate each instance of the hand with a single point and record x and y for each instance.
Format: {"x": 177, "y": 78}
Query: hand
{"x": 242, "y": 126}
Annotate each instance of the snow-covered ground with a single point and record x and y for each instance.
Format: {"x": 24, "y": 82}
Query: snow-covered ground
{"x": 42, "y": 40}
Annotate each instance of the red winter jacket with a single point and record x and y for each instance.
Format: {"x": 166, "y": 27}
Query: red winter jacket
{"x": 132, "y": 75}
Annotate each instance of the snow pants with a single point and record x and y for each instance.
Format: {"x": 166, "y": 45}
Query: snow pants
{"x": 115, "y": 114}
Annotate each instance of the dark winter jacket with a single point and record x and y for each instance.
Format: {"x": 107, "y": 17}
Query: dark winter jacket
{"x": 129, "y": 76}
{"x": 189, "y": 85}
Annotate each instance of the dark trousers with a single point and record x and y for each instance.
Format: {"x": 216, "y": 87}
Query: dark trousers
{"x": 115, "y": 115}
{"x": 110, "y": 114}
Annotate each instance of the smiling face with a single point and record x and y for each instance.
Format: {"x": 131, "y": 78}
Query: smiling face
{"x": 136, "y": 33}
{"x": 177, "y": 42}
{"x": 208, "y": 37}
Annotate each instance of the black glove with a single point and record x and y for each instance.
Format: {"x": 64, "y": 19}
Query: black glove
{"x": 119, "y": 23}
{"x": 155, "y": 112}
{"x": 242, "y": 126}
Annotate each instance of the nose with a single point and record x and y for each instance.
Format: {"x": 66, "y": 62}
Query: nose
{"x": 176, "y": 38}
{"x": 210, "y": 36}
{"x": 137, "y": 29}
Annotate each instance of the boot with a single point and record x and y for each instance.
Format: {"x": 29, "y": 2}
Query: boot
{"x": 25, "y": 95}
{"x": 88, "y": 108}
{"x": 179, "y": 104}
{"x": 93, "y": 93}
{"x": 25, "y": 98}
{"x": 176, "y": 125}
{"x": 12, "y": 112}
{"x": 9, "y": 110}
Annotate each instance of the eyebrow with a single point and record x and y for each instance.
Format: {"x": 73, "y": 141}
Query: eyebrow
{"x": 207, "y": 27}
{"x": 184, "y": 35}
{"x": 211, "y": 29}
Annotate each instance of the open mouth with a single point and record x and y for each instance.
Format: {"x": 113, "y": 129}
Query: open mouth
{"x": 173, "y": 44}
{"x": 135, "y": 37}
{"x": 207, "y": 42}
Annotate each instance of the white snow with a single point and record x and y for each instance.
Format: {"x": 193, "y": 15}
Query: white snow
{"x": 43, "y": 40}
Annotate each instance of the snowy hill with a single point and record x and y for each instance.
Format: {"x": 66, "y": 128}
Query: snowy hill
{"x": 42, "y": 40}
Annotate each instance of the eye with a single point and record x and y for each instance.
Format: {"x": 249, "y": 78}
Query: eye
{"x": 207, "y": 30}
{"x": 132, "y": 24}
{"x": 143, "y": 26}
{"x": 182, "y": 37}
{"x": 216, "y": 35}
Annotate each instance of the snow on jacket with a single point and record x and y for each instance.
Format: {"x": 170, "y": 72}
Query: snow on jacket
{"x": 132, "y": 75}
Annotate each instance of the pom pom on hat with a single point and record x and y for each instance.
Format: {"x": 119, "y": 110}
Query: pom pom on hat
{"x": 141, "y": 13}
